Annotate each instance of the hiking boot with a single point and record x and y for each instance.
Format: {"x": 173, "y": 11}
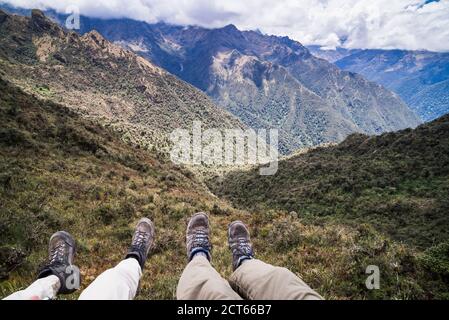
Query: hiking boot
{"x": 61, "y": 252}
{"x": 197, "y": 236}
{"x": 239, "y": 243}
{"x": 143, "y": 240}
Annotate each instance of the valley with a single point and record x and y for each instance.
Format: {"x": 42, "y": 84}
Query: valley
{"x": 85, "y": 121}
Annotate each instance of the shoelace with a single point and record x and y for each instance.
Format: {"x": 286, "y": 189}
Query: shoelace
{"x": 140, "y": 239}
{"x": 57, "y": 255}
{"x": 241, "y": 246}
{"x": 200, "y": 239}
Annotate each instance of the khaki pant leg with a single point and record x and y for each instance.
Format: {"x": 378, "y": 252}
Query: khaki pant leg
{"x": 256, "y": 280}
{"x": 200, "y": 281}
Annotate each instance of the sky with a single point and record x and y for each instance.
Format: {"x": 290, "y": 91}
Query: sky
{"x": 367, "y": 24}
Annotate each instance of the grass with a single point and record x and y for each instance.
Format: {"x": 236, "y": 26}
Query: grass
{"x": 396, "y": 183}
{"x": 60, "y": 171}
{"x": 43, "y": 90}
{"x": 369, "y": 201}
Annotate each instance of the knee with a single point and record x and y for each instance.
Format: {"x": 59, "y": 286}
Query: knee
{"x": 284, "y": 275}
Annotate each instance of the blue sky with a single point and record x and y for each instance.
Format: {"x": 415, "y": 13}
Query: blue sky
{"x": 385, "y": 24}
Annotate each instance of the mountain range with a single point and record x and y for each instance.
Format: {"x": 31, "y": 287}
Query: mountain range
{"x": 62, "y": 171}
{"x": 421, "y": 78}
{"x": 265, "y": 81}
{"x": 96, "y": 78}
{"x": 83, "y": 126}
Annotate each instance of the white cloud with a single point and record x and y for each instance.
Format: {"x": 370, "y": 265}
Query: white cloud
{"x": 407, "y": 24}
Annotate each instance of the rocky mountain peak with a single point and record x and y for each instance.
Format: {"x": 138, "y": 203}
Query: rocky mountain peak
{"x": 94, "y": 40}
{"x": 39, "y": 20}
{"x": 227, "y": 34}
{"x": 40, "y": 23}
{"x": 230, "y": 27}
{"x": 95, "y": 36}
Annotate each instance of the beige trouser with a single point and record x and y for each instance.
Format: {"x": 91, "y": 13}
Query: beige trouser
{"x": 253, "y": 280}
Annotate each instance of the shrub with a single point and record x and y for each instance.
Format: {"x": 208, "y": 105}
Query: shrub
{"x": 436, "y": 259}
{"x": 10, "y": 258}
{"x": 12, "y": 137}
{"x": 217, "y": 210}
{"x": 284, "y": 235}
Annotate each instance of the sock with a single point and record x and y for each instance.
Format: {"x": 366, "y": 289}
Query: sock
{"x": 134, "y": 255}
{"x": 200, "y": 254}
{"x": 195, "y": 252}
{"x": 243, "y": 259}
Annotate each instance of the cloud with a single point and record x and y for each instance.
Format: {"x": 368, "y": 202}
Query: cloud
{"x": 386, "y": 24}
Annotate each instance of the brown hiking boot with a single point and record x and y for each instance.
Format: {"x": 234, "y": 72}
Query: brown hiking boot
{"x": 239, "y": 243}
{"x": 61, "y": 252}
{"x": 197, "y": 236}
{"x": 142, "y": 242}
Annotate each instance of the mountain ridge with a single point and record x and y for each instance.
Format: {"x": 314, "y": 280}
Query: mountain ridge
{"x": 192, "y": 54}
{"x": 419, "y": 77}
{"x": 342, "y": 103}
{"x": 81, "y": 71}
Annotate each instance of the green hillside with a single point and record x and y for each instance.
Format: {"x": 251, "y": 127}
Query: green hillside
{"x": 398, "y": 182}
{"x": 102, "y": 81}
{"x": 60, "y": 171}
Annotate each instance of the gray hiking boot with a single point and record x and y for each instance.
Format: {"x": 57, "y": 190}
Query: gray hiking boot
{"x": 197, "y": 236}
{"x": 61, "y": 252}
{"x": 239, "y": 243}
{"x": 142, "y": 242}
